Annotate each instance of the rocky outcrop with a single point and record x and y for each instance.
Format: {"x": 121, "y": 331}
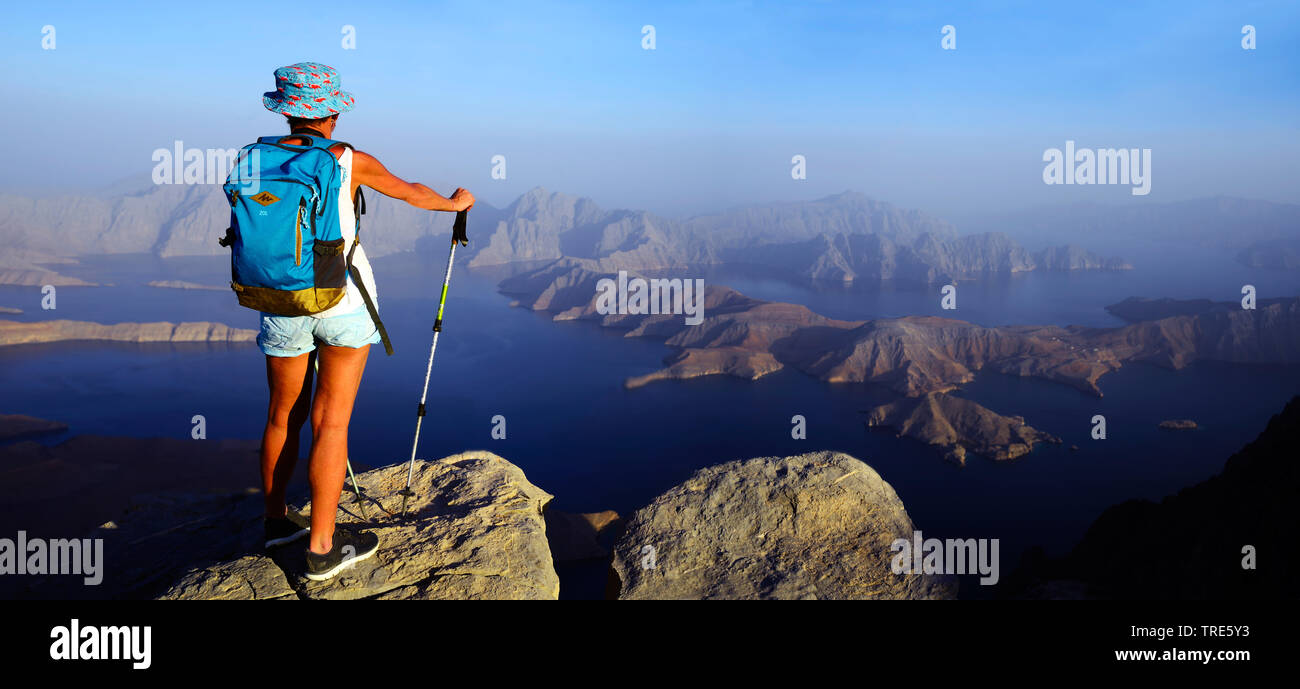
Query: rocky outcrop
{"x": 1231, "y": 536}
{"x": 14, "y": 426}
{"x": 957, "y": 425}
{"x": 818, "y": 525}
{"x": 39, "y": 332}
{"x": 474, "y": 530}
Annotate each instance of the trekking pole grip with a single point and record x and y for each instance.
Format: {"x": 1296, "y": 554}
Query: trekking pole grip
{"x": 458, "y": 228}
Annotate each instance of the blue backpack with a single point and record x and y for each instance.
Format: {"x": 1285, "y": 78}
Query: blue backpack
{"x": 287, "y": 254}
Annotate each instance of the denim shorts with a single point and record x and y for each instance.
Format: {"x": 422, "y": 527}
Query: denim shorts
{"x": 290, "y": 336}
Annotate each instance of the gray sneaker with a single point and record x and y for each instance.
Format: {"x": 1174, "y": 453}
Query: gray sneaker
{"x": 286, "y": 529}
{"x": 350, "y": 547}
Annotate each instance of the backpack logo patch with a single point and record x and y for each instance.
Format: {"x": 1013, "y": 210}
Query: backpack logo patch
{"x": 265, "y": 198}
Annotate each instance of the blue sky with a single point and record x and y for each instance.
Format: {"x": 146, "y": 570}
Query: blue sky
{"x": 708, "y": 119}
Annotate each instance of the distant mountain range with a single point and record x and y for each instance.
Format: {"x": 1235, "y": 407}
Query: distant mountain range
{"x": 845, "y": 237}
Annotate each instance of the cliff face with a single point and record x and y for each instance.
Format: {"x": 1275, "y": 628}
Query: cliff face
{"x": 818, "y": 525}
{"x": 1191, "y": 545}
{"x": 16, "y": 333}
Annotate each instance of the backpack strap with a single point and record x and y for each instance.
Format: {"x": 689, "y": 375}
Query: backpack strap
{"x": 359, "y": 208}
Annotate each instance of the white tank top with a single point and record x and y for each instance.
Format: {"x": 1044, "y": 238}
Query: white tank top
{"x": 352, "y": 300}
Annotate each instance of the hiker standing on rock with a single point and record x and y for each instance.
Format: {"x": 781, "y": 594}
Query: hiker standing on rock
{"x": 297, "y": 259}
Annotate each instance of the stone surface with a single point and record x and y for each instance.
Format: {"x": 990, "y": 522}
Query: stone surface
{"x": 251, "y": 577}
{"x": 474, "y": 529}
{"x": 817, "y": 525}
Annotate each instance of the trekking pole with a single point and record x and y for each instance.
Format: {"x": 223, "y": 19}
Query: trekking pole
{"x": 457, "y": 235}
{"x": 356, "y": 488}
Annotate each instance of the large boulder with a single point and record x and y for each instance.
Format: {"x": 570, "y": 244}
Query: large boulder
{"x": 818, "y": 525}
{"x": 474, "y": 529}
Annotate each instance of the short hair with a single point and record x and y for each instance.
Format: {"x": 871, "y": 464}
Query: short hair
{"x": 300, "y": 122}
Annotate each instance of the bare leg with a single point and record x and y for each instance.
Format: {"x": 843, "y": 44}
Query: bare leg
{"x": 289, "y": 379}
{"x": 336, "y": 390}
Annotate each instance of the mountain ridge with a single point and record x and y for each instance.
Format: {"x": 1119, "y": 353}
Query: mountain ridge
{"x": 842, "y": 237}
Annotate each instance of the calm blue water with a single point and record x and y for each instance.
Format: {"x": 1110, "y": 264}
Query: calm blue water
{"x": 579, "y": 435}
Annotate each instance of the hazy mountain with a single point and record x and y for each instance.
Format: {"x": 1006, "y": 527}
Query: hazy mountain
{"x": 845, "y": 237}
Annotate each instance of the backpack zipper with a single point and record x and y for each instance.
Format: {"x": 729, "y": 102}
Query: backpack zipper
{"x": 297, "y": 231}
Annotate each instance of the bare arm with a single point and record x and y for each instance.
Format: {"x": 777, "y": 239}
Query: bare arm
{"x": 367, "y": 170}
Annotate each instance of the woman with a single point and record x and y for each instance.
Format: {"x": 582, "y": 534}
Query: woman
{"x": 309, "y": 94}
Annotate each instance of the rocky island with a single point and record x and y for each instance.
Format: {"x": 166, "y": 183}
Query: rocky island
{"x": 918, "y": 356}
{"x": 40, "y": 332}
{"x": 956, "y": 425}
